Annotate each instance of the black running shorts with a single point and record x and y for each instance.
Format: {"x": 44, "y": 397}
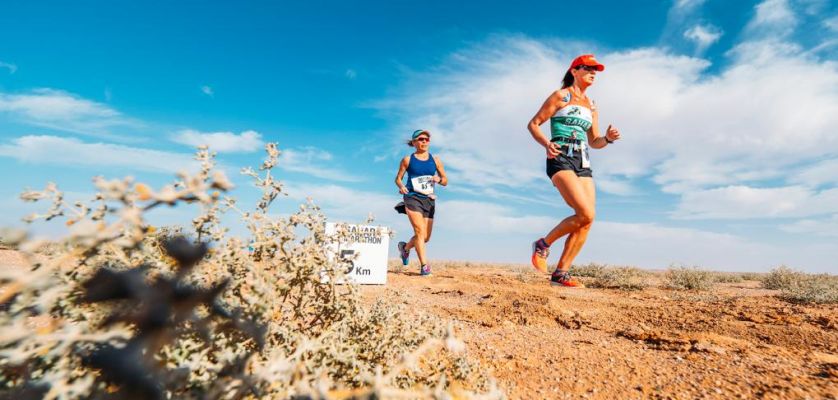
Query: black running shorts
{"x": 562, "y": 162}
{"x": 424, "y": 205}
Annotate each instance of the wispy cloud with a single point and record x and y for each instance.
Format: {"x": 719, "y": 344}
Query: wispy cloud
{"x": 826, "y": 227}
{"x": 772, "y": 19}
{"x": 222, "y": 142}
{"x": 207, "y": 90}
{"x": 703, "y": 36}
{"x": 11, "y": 67}
{"x": 351, "y": 73}
{"x": 62, "y": 111}
{"x": 53, "y": 150}
{"x": 315, "y": 162}
{"x": 347, "y": 204}
{"x": 688, "y": 5}
{"x": 744, "y": 202}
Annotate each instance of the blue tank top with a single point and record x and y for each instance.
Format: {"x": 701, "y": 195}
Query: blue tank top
{"x": 420, "y": 176}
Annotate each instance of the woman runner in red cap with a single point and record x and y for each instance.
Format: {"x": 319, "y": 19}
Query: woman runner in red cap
{"x": 573, "y": 128}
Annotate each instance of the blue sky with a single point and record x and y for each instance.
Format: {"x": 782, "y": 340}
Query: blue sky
{"x": 726, "y": 107}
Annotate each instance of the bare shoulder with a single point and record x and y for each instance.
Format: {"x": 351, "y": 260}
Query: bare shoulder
{"x": 405, "y": 160}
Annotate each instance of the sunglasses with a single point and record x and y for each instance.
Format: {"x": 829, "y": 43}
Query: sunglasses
{"x": 586, "y": 68}
{"x": 422, "y": 139}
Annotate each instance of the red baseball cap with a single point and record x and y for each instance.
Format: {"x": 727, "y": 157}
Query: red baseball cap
{"x": 587, "y": 59}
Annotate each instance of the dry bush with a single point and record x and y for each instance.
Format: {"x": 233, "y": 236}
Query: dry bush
{"x": 727, "y": 277}
{"x": 683, "y": 278}
{"x": 591, "y": 270}
{"x": 118, "y": 309}
{"x": 799, "y": 287}
{"x": 751, "y": 276}
{"x": 781, "y": 278}
{"x": 623, "y": 278}
{"x": 820, "y": 289}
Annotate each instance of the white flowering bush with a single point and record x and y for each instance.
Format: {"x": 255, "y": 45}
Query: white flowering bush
{"x": 119, "y": 309}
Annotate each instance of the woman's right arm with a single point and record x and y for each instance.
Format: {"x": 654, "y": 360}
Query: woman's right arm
{"x": 549, "y": 108}
{"x": 400, "y": 175}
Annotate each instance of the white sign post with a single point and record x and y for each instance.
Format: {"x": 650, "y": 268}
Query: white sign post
{"x": 367, "y": 247}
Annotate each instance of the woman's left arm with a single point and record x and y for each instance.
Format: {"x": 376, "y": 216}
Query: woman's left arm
{"x": 596, "y": 141}
{"x": 442, "y": 179}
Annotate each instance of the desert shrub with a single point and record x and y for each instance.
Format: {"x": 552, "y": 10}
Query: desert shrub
{"x": 727, "y": 277}
{"x": 684, "y": 278}
{"x": 799, "y": 287}
{"x": 591, "y": 270}
{"x": 781, "y": 278}
{"x": 751, "y": 276}
{"x": 120, "y": 308}
{"x": 623, "y": 278}
{"x": 820, "y": 289}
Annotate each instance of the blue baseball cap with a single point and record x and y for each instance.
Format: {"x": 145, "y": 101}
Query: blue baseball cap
{"x": 418, "y": 132}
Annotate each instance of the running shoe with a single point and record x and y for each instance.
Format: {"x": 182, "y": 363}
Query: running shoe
{"x": 404, "y": 253}
{"x": 540, "y": 251}
{"x": 562, "y": 278}
{"x": 425, "y": 270}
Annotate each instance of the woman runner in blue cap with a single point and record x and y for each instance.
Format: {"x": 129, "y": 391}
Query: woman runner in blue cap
{"x": 424, "y": 171}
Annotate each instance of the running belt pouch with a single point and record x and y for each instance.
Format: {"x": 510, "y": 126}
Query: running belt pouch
{"x": 400, "y": 208}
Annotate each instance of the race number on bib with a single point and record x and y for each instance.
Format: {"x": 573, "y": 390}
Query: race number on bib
{"x": 423, "y": 184}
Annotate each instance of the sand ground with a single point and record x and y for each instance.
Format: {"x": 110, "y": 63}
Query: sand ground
{"x": 543, "y": 342}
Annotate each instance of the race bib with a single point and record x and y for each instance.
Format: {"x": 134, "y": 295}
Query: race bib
{"x": 586, "y": 163}
{"x": 423, "y": 184}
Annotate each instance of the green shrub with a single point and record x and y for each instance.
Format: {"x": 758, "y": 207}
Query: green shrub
{"x": 683, "y": 278}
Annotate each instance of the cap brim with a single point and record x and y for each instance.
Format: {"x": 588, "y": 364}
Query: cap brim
{"x": 416, "y": 135}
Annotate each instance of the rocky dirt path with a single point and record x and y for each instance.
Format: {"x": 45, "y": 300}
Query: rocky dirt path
{"x": 541, "y": 342}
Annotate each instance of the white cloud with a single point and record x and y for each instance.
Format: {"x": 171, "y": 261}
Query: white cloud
{"x": 827, "y": 227}
{"x": 11, "y": 67}
{"x": 688, "y": 5}
{"x": 703, "y": 36}
{"x": 207, "y": 91}
{"x": 341, "y": 203}
{"x": 743, "y": 202}
{"x": 831, "y": 23}
{"x": 315, "y": 162}
{"x": 222, "y": 142}
{"x": 658, "y": 246}
{"x": 773, "y": 18}
{"x": 64, "y": 111}
{"x": 821, "y": 173}
{"x": 476, "y": 217}
{"x": 681, "y": 127}
{"x": 70, "y": 151}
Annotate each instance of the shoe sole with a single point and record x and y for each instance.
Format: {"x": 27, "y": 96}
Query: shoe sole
{"x": 563, "y": 285}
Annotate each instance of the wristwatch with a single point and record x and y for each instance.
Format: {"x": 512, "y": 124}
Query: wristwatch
{"x": 607, "y": 140}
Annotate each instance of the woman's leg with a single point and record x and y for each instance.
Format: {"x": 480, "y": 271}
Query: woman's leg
{"x": 420, "y": 230}
{"x": 574, "y": 193}
{"x": 577, "y": 239}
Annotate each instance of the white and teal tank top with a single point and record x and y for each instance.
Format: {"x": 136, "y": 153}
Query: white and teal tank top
{"x": 572, "y": 121}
